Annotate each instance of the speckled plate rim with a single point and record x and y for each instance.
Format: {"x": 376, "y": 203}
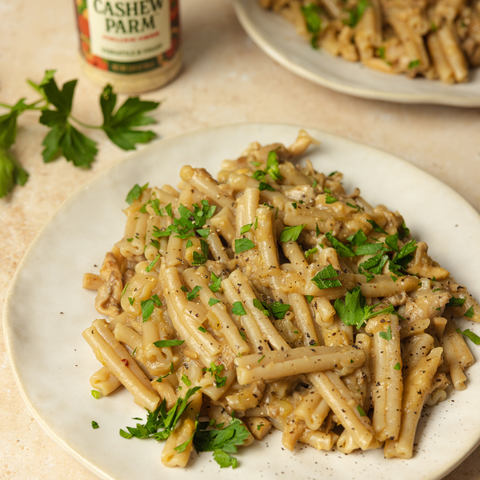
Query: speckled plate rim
{"x": 244, "y": 9}
{"x": 329, "y": 155}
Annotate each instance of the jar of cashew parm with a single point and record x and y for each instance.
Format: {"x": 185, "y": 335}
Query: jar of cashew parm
{"x": 133, "y": 45}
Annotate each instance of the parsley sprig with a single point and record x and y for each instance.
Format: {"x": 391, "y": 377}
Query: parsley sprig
{"x": 160, "y": 423}
{"x": 354, "y": 311}
{"x": 63, "y": 137}
{"x": 222, "y": 441}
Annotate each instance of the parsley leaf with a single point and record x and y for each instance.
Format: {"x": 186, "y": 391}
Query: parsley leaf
{"x": 94, "y": 424}
{"x": 265, "y": 186}
{"x": 221, "y": 441}
{"x": 313, "y": 20}
{"x": 413, "y": 64}
{"x": 152, "y": 263}
{"x": 96, "y": 394}
{"x": 216, "y": 281}
{"x": 63, "y": 137}
{"x": 279, "y": 309}
{"x": 237, "y": 309}
{"x": 354, "y": 312}
{"x": 455, "y": 302}
{"x": 201, "y": 258}
{"x": 186, "y": 380}
{"x": 260, "y": 306}
{"x": 243, "y": 244}
{"x": 246, "y": 228}
{"x": 203, "y": 330}
{"x": 397, "y": 366}
{"x": 329, "y": 199}
{"x": 376, "y": 228}
{"x": 469, "y": 313}
{"x": 135, "y": 193}
{"x": 291, "y": 234}
{"x": 214, "y": 370}
{"x": 361, "y": 411}
{"x": 469, "y": 334}
{"x": 118, "y": 125}
{"x": 159, "y": 379}
{"x": 311, "y": 252}
{"x": 161, "y": 419}
{"x": 323, "y": 278}
{"x": 11, "y": 172}
{"x": 168, "y": 343}
{"x": 342, "y": 250}
{"x": 386, "y": 335}
{"x": 194, "y": 293}
{"x": 147, "y": 306}
{"x": 309, "y": 298}
{"x": 356, "y": 13}
{"x": 214, "y": 301}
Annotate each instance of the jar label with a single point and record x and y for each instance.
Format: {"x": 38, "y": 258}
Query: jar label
{"x": 128, "y": 36}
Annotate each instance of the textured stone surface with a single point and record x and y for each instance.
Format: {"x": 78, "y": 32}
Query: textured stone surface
{"x": 226, "y": 79}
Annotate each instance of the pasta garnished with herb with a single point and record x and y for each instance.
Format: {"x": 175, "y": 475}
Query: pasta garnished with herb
{"x": 271, "y": 298}
{"x": 437, "y": 39}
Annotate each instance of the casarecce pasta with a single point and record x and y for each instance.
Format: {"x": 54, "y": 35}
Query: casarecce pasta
{"x": 272, "y": 298}
{"x": 437, "y": 39}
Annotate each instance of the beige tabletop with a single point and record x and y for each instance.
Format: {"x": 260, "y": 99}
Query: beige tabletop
{"x": 225, "y": 79}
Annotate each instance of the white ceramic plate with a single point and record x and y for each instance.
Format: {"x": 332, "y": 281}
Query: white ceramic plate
{"x": 46, "y": 311}
{"x": 278, "y": 39}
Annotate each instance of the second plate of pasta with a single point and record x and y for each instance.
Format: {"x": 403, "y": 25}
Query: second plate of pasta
{"x": 278, "y": 38}
{"x": 44, "y": 320}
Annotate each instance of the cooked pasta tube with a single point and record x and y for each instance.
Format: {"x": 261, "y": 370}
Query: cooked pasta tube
{"x": 340, "y": 400}
{"x": 268, "y": 330}
{"x": 278, "y": 364}
{"x": 457, "y": 354}
{"x": 124, "y": 368}
{"x": 387, "y": 393}
{"x": 418, "y": 385}
{"x": 103, "y": 381}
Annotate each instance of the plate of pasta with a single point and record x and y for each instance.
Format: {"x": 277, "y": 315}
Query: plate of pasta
{"x": 399, "y": 51}
{"x": 256, "y": 312}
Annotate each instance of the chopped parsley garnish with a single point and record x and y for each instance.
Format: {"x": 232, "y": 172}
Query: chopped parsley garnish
{"x": 261, "y": 306}
{"x": 469, "y": 312}
{"x": 246, "y": 228}
{"x": 311, "y": 252}
{"x": 168, "y": 343}
{"x": 354, "y": 311}
{"x": 313, "y": 20}
{"x": 294, "y": 205}
{"x": 242, "y": 334}
{"x": 160, "y": 423}
{"x": 160, "y": 379}
{"x": 216, "y": 281}
{"x": 265, "y": 186}
{"x": 279, "y": 309}
{"x": 291, "y": 234}
{"x": 455, "y": 302}
{"x": 96, "y": 394}
{"x": 124, "y": 289}
{"x": 361, "y": 411}
{"x": 243, "y": 244}
{"x": 201, "y": 258}
{"x": 386, "y": 335}
{"x": 323, "y": 279}
{"x": 131, "y": 300}
{"x": 329, "y": 199}
{"x": 189, "y": 244}
{"x": 189, "y": 222}
{"x": 260, "y": 425}
{"x": 135, "y": 193}
{"x": 469, "y": 334}
{"x": 214, "y": 371}
{"x": 397, "y": 366}
{"x": 355, "y": 13}
{"x": 376, "y": 227}
{"x": 261, "y": 359}
{"x": 342, "y": 250}
{"x": 94, "y": 424}
{"x": 221, "y": 441}
{"x": 202, "y": 329}
{"x": 238, "y": 309}
{"x": 194, "y": 293}
{"x": 309, "y": 298}
{"x": 213, "y": 301}
{"x": 381, "y": 52}
{"x": 147, "y": 306}
{"x": 186, "y": 381}
{"x": 414, "y": 63}
{"x": 152, "y": 263}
